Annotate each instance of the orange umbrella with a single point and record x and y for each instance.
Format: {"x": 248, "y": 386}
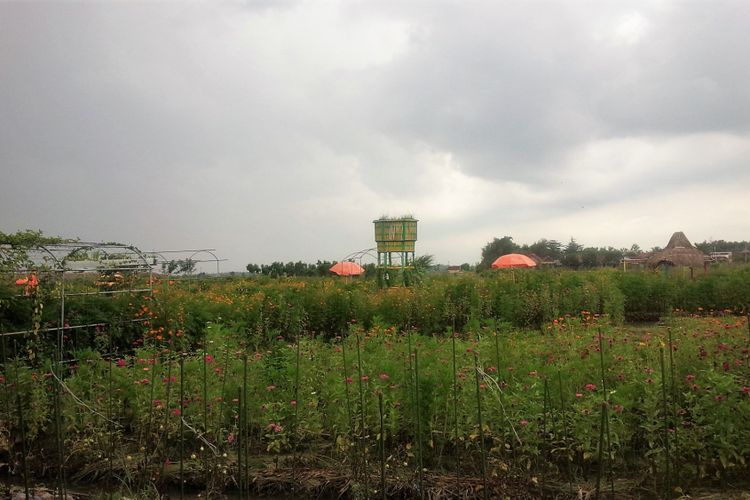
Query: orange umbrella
{"x": 347, "y": 268}
{"x": 512, "y": 260}
{"x": 31, "y": 283}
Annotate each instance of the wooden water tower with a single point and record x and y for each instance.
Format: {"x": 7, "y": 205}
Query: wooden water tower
{"x": 396, "y": 239}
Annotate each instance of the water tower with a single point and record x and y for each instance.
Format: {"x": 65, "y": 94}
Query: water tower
{"x": 396, "y": 238}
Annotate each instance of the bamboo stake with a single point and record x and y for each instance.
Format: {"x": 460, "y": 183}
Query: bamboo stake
{"x": 382, "y": 447}
{"x": 668, "y": 474}
{"x": 296, "y": 413}
{"x": 565, "y": 429}
{"x": 348, "y": 401}
{"x": 363, "y": 432}
{"x": 605, "y": 403}
{"x": 246, "y": 426}
{"x": 21, "y": 426}
{"x": 673, "y": 395}
{"x": 481, "y": 428}
{"x": 455, "y": 410}
{"x": 420, "y": 460}
{"x": 239, "y": 444}
{"x": 182, "y": 428}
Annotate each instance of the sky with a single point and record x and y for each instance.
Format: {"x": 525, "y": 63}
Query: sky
{"x": 279, "y": 130}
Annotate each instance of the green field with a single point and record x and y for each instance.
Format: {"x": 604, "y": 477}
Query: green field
{"x": 325, "y": 386}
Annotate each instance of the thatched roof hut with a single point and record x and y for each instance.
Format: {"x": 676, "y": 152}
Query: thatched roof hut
{"x": 678, "y": 252}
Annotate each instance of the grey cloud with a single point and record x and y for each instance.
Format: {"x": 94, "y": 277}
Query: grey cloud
{"x": 511, "y": 87}
{"x": 230, "y": 125}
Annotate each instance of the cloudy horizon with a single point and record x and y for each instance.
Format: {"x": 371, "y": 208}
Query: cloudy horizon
{"x": 279, "y": 131}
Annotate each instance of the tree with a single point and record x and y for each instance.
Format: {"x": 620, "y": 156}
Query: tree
{"x": 572, "y": 254}
{"x": 548, "y": 249}
{"x": 495, "y": 249}
{"x": 633, "y": 252}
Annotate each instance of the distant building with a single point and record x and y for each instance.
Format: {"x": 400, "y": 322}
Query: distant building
{"x": 679, "y": 252}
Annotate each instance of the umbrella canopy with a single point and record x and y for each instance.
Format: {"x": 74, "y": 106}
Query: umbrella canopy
{"x": 347, "y": 269}
{"x": 512, "y": 260}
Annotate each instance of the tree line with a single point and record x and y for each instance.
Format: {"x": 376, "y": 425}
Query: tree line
{"x": 299, "y": 268}
{"x": 575, "y": 255}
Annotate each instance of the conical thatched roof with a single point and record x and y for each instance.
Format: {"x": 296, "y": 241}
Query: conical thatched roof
{"x": 678, "y": 252}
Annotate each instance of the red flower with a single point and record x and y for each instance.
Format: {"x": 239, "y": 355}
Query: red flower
{"x": 121, "y": 362}
{"x": 209, "y": 358}
{"x": 176, "y": 412}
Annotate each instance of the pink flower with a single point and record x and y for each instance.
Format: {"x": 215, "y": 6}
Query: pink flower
{"x": 349, "y": 380}
{"x": 533, "y": 373}
{"x": 230, "y": 438}
{"x": 618, "y": 408}
{"x": 746, "y": 389}
{"x": 590, "y": 387}
{"x": 270, "y": 388}
{"x": 120, "y": 362}
{"x": 209, "y": 358}
{"x": 275, "y": 427}
{"x": 384, "y": 376}
{"x": 176, "y": 412}
{"x": 365, "y": 378}
{"x": 524, "y": 422}
{"x": 293, "y": 402}
{"x": 689, "y": 378}
{"x": 579, "y": 395}
{"x": 719, "y": 397}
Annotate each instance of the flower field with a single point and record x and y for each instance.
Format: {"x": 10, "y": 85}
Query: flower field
{"x": 319, "y": 387}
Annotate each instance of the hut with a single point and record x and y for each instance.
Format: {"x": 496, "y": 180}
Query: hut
{"x": 679, "y": 252}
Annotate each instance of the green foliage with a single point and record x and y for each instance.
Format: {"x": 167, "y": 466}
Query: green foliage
{"x": 496, "y": 248}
